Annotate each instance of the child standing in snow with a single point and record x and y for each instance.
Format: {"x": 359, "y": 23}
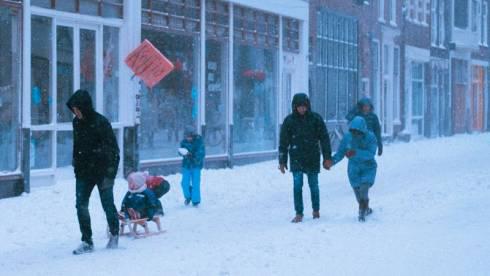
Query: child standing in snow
{"x": 140, "y": 201}
{"x": 359, "y": 146}
{"x": 193, "y": 153}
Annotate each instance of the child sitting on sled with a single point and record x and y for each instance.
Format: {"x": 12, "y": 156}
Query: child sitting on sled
{"x": 359, "y": 146}
{"x": 141, "y": 200}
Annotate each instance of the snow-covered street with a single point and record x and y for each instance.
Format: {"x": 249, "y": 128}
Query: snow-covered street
{"x": 431, "y": 206}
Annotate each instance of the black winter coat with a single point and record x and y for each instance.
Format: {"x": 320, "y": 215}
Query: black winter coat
{"x": 304, "y": 137}
{"x": 371, "y": 119}
{"x": 95, "y": 149}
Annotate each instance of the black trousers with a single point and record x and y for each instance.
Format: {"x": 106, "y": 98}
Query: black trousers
{"x": 83, "y": 191}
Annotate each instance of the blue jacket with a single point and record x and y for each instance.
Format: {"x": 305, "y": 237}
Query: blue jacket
{"x": 145, "y": 203}
{"x": 372, "y": 120}
{"x": 197, "y": 153}
{"x": 362, "y": 166}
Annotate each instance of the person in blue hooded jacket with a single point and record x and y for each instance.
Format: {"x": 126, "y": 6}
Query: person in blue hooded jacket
{"x": 193, "y": 152}
{"x": 359, "y": 146}
{"x": 365, "y": 109}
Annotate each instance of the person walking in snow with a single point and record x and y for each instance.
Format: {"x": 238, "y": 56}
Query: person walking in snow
{"x": 304, "y": 137}
{"x": 365, "y": 109}
{"x": 95, "y": 160}
{"x": 359, "y": 146}
{"x": 193, "y": 152}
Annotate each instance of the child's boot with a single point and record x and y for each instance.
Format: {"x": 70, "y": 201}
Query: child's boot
{"x": 368, "y": 210}
{"x": 362, "y": 211}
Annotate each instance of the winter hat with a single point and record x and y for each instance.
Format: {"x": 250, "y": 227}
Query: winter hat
{"x": 189, "y": 131}
{"x": 137, "y": 182}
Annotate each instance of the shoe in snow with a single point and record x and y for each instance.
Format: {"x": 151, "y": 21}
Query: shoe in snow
{"x": 187, "y": 202}
{"x": 316, "y": 214}
{"x": 369, "y": 211}
{"x": 298, "y": 218}
{"x": 83, "y": 248}
{"x": 113, "y": 242}
{"x": 195, "y": 204}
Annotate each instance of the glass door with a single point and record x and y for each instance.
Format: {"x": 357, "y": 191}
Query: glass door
{"x": 65, "y": 58}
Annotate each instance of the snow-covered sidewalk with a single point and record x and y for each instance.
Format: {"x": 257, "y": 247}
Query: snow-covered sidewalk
{"x": 431, "y": 206}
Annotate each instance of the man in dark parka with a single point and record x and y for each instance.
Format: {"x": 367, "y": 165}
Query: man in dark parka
{"x": 365, "y": 109}
{"x": 95, "y": 160}
{"x": 304, "y": 136}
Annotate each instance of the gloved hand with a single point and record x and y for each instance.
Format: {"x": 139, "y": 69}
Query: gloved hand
{"x": 380, "y": 151}
{"x": 350, "y": 153}
{"x": 106, "y": 183}
{"x": 283, "y": 168}
{"x": 327, "y": 164}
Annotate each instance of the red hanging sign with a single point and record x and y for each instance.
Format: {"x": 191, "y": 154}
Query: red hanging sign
{"x": 148, "y": 63}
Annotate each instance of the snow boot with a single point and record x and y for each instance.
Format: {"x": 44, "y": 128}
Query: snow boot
{"x": 316, "y": 214}
{"x": 362, "y": 211}
{"x": 368, "y": 210}
{"x": 83, "y": 248}
{"x": 113, "y": 242}
{"x": 298, "y": 218}
{"x": 187, "y": 202}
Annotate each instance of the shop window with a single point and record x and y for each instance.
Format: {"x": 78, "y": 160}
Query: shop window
{"x": 104, "y": 8}
{"x": 87, "y": 63}
{"x": 64, "y": 72}
{"x": 290, "y": 35}
{"x": 255, "y": 98}
{"x": 173, "y": 15}
{"x": 111, "y": 73}
{"x": 41, "y": 70}
{"x": 9, "y": 89}
{"x": 216, "y": 79}
{"x": 64, "y": 148}
{"x": 172, "y": 104}
{"x": 41, "y": 149}
{"x": 256, "y": 42}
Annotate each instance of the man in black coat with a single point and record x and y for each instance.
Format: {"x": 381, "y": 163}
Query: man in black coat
{"x": 365, "y": 109}
{"x": 95, "y": 160}
{"x": 304, "y": 136}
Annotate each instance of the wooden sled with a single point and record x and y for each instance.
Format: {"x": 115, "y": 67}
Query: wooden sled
{"x": 133, "y": 224}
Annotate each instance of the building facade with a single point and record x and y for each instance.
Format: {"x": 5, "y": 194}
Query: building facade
{"x": 235, "y": 61}
{"x": 423, "y": 63}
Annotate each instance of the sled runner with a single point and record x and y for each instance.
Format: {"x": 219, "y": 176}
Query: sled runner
{"x": 133, "y": 224}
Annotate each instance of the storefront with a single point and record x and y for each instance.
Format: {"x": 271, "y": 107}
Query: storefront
{"x": 227, "y": 78}
{"x": 11, "y": 176}
{"x": 228, "y": 58}
{"x": 70, "y": 45}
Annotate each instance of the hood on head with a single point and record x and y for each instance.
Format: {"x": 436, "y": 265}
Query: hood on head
{"x": 139, "y": 179}
{"x": 358, "y": 123}
{"x": 190, "y": 131}
{"x": 299, "y": 100}
{"x": 82, "y": 100}
{"x": 365, "y": 101}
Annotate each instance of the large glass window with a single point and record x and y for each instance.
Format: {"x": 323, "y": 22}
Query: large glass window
{"x": 217, "y": 34}
{"x": 41, "y": 149}
{"x": 64, "y": 71}
{"x": 64, "y": 148}
{"x": 417, "y": 97}
{"x": 87, "y": 62}
{"x": 461, "y": 8}
{"x": 41, "y": 70}
{"x": 336, "y": 64}
{"x": 172, "y": 104}
{"x": 111, "y": 73}
{"x": 9, "y": 89}
{"x": 255, "y": 80}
